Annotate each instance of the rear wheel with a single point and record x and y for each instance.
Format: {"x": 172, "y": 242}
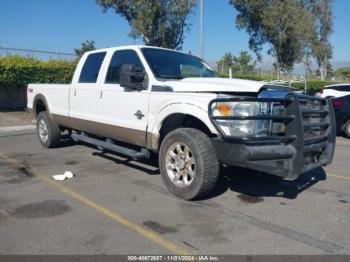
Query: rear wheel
{"x": 49, "y": 132}
{"x": 347, "y": 128}
{"x": 188, "y": 163}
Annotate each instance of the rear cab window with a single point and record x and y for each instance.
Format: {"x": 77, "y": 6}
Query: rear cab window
{"x": 91, "y": 68}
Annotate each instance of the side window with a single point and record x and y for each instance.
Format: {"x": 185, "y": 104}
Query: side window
{"x": 120, "y": 58}
{"x": 91, "y": 68}
{"x": 344, "y": 88}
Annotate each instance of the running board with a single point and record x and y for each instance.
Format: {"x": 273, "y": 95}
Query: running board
{"x": 109, "y": 145}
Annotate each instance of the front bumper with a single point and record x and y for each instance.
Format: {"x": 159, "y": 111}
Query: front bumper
{"x": 308, "y": 143}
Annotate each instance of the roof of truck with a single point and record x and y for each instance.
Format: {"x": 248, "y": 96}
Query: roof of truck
{"x": 132, "y": 47}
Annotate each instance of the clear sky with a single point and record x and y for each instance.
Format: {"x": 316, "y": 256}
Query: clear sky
{"x": 62, "y": 25}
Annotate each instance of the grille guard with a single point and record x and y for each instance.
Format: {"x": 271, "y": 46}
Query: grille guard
{"x": 312, "y": 150}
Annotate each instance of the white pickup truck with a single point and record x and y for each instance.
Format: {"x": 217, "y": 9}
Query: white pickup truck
{"x": 135, "y": 100}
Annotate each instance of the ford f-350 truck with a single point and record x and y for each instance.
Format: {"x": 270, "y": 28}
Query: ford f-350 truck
{"x": 135, "y": 100}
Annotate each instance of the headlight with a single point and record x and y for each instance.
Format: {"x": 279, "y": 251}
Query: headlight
{"x": 248, "y": 128}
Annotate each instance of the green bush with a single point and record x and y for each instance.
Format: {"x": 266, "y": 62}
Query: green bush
{"x": 17, "y": 71}
{"x": 343, "y": 72}
{"x": 313, "y": 86}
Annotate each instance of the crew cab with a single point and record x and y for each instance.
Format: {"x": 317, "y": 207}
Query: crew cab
{"x": 138, "y": 100}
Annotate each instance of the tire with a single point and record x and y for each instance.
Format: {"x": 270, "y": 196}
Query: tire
{"x": 347, "y": 128}
{"x": 49, "y": 132}
{"x": 197, "y": 173}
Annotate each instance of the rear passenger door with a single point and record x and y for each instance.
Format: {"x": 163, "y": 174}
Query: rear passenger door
{"x": 123, "y": 111}
{"x": 83, "y": 93}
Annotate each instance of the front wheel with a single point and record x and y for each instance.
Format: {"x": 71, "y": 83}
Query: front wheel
{"x": 188, "y": 163}
{"x": 49, "y": 132}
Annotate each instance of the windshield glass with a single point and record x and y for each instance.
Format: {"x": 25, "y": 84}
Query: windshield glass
{"x": 168, "y": 64}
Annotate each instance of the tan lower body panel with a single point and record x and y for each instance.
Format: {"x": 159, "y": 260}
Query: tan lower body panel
{"x": 122, "y": 134}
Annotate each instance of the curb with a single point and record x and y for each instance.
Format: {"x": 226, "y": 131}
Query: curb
{"x": 17, "y": 128}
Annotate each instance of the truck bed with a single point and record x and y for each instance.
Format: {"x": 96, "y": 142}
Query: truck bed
{"x": 56, "y": 97}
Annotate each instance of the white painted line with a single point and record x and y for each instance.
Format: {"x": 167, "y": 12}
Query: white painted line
{"x": 17, "y": 128}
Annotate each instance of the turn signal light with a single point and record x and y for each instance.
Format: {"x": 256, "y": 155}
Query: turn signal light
{"x": 224, "y": 109}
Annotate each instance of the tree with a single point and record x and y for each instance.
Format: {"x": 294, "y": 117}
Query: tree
{"x": 158, "y": 22}
{"x": 85, "y": 47}
{"x": 285, "y": 25}
{"x": 244, "y": 61}
{"x": 321, "y": 46}
{"x": 225, "y": 62}
{"x": 343, "y": 73}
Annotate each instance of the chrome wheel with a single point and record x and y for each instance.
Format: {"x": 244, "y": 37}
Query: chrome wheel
{"x": 180, "y": 164}
{"x": 43, "y": 131}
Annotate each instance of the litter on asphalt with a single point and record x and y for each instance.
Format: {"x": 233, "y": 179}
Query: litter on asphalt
{"x": 61, "y": 177}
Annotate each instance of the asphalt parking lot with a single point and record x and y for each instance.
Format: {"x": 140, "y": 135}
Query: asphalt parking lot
{"x": 116, "y": 206}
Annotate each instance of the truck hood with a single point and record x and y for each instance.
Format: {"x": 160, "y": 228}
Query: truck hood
{"x": 215, "y": 85}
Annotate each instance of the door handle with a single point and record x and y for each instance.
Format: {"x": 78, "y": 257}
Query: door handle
{"x": 101, "y": 93}
{"x": 75, "y": 92}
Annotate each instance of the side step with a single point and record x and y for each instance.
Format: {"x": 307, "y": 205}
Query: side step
{"x": 108, "y": 144}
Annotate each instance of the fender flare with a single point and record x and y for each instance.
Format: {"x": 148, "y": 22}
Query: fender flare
{"x": 42, "y": 98}
{"x": 185, "y": 108}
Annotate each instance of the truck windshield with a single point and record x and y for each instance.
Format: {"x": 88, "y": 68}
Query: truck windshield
{"x": 167, "y": 64}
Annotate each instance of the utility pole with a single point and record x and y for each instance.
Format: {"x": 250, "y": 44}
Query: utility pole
{"x": 201, "y": 30}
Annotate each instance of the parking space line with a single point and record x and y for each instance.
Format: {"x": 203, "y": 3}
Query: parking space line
{"x": 341, "y": 177}
{"x": 150, "y": 235}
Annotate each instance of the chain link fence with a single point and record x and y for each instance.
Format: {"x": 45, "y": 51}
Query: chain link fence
{"x": 257, "y": 72}
{"x": 36, "y": 53}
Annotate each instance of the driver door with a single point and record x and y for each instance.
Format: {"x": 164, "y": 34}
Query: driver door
{"x": 122, "y": 111}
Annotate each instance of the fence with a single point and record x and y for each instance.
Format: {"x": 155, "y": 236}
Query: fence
{"x": 18, "y": 69}
{"x": 257, "y": 72}
{"x": 39, "y": 54}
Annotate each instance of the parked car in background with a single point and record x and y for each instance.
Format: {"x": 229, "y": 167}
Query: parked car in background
{"x": 335, "y": 90}
{"x": 341, "y": 107}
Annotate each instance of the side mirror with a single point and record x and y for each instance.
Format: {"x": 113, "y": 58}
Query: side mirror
{"x": 132, "y": 77}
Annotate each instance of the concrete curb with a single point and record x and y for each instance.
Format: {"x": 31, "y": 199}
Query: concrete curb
{"x": 17, "y": 128}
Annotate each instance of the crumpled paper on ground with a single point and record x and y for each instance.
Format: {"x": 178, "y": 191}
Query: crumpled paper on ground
{"x": 61, "y": 177}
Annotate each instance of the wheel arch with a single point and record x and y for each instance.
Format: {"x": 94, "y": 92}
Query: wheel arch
{"x": 40, "y": 104}
{"x": 176, "y": 116}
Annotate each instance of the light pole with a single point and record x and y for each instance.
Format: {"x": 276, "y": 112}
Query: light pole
{"x": 201, "y": 30}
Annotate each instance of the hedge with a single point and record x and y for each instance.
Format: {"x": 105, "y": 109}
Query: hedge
{"x": 17, "y": 72}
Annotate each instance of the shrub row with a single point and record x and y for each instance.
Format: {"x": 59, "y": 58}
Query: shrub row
{"x": 16, "y": 71}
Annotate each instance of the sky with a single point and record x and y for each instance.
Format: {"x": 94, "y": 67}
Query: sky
{"x": 63, "y": 25}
